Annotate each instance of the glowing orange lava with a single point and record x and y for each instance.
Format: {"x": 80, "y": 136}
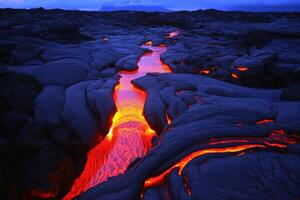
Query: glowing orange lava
{"x": 168, "y": 119}
{"x": 42, "y": 194}
{"x": 265, "y": 121}
{"x": 205, "y": 71}
{"x": 242, "y": 68}
{"x": 149, "y": 43}
{"x": 235, "y": 76}
{"x": 181, "y": 164}
{"x": 130, "y": 136}
{"x": 277, "y": 139}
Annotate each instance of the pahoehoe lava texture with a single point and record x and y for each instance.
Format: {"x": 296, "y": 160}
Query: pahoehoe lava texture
{"x": 233, "y": 101}
{"x": 233, "y": 117}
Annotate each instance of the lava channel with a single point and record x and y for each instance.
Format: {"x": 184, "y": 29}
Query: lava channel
{"x": 130, "y": 136}
{"x": 277, "y": 139}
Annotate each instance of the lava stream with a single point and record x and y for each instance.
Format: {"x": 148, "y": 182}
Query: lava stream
{"x": 277, "y": 139}
{"x": 130, "y": 136}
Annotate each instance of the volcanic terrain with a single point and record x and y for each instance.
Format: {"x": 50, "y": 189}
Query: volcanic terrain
{"x": 149, "y": 106}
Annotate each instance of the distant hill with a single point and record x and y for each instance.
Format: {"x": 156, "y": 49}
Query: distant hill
{"x": 268, "y": 8}
{"x": 135, "y": 8}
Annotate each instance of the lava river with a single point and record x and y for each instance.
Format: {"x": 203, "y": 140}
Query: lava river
{"x": 130, "y": 136}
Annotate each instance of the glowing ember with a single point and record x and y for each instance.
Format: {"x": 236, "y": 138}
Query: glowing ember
{"x": 242, "y": 68}
{"x": 168, "y": 119}
{"x": 205, "y": 71}
{"x": 172, "y": 34}
{"x": 235, "y": 76}
{"x": 281, "y": 132}
{"x": 277, "y": 139}
{"x": 181, "y": 164}
{"x": 265, "y": 121}
{"x": 42, "y": 194}
{"x": 130, "y": 136}
{"x": 149, "y": 43}
{"x": 186, "y": 186}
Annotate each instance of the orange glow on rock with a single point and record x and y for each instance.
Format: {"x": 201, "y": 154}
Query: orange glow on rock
{"x": 281, "y": 132}
{"x": 168, "y": 119}
{"x": 265, "y": 121}
{"x": 129, "y": 137}
{"x": 241, "y": 154}
{"x": 227, "y": 141}
{"x": 205, "y": 71}
{"x": 233, "y": 75}
{"x": 181, "y": 164}
{"x": 274, "y": 144}
{"x": 242, "y": 68}
{"x": 277, "y": 139}
{"x": 186, "y": 186}
{"x": 149, "y": 43}
{"x": 42, "y": 194}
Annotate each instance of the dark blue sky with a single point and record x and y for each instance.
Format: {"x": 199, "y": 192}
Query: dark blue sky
{"x": 170, "y": 4}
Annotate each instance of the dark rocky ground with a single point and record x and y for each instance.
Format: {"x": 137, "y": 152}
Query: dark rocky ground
{"x": 231, "y": 70}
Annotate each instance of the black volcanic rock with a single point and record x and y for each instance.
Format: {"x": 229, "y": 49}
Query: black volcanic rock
{"x": 99, "y": 95}
{"x": 27, "y": 146}
{"x": 58, "y": 70}
{"x": 49, "y": 104}
{"x": 175, "y": 105}
{"x": 291, "y": 93}
{"x": 231, "y": 113}
{"x": 24, "y": 53}
{"x": 6, "y": 49}
{"x": 267, "y": 49}
{"x": 68, "y": 33}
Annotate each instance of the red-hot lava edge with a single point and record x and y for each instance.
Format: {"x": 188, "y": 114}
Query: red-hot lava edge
{"x": 277, "y": 139}
{"x": 130, "y": 136}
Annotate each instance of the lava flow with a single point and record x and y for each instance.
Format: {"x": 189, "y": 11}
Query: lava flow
{"x": 242, "y": 68}
{"x": 130, "y": 136}
{"x": 277, "y": 139}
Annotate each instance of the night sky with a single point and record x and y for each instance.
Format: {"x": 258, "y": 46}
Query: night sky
{"x": 169, "y": 4}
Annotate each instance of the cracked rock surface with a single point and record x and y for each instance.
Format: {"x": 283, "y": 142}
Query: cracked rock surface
{"x": 235, "y": 83}
{"x": 230, "y": 116}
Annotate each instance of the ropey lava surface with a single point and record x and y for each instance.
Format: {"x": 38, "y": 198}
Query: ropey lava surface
{"x": 278, "y": 139}
{"x": 210, "y": 129}
{"x": 130, "y": 136}
{"x": 72, "y": 60}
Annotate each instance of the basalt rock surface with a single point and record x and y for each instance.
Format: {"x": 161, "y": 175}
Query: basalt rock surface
{"x": 251, "y": 54}
{"x": 217, "y": 111}
{"x": 58, "y": 71}
{"x": 58, "y": 74}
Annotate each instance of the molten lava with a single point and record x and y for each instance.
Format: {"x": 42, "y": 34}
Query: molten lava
{"x": 233, "y": 75}
{"x": 242, "y": 68}
{"x": 130, "y": 136}
{"x": 276, "y": 140}
{"x": 265, "y": 121}
{"x": 42, "y": 194}
{"x": 181, "y": 164}
{"x": 205, "y": 71}
{"x": 149, "y": 43}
